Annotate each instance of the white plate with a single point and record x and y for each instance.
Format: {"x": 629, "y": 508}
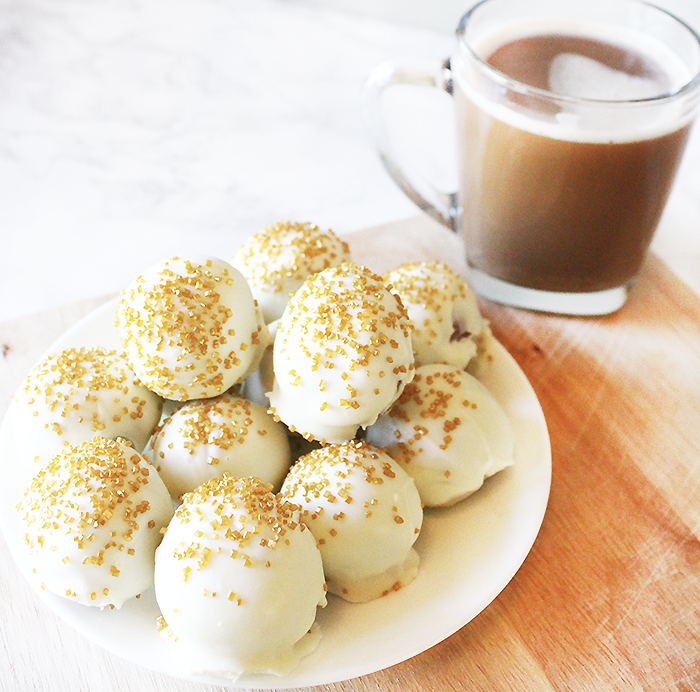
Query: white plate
{"x": 468, "y": 554}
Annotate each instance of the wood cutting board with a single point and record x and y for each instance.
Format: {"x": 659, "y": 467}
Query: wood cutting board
{"x": 609, "y": 597}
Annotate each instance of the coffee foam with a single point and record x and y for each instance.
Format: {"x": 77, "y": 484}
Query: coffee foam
{"x": 577, "y": 77}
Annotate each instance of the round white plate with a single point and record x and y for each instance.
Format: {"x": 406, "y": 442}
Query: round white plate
{"x": 468, "y": 552}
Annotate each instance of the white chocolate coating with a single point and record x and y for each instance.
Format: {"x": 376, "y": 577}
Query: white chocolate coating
{"x": 190, "y": 328}
{"x": 205, "y": 438}
{"x": 448, "y": 432}
{"x": 238, "y": 579}
{"x": 365, "y": 513}
{"x": 91, "y": 520}
{"x": 447, "y": 323}
{"x": 71, "y": 396}
{"x": 277, "y": 260}
{"x": 342, "y": 354}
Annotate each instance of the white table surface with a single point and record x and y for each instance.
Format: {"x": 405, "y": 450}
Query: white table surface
{"x": 131, "y": 131}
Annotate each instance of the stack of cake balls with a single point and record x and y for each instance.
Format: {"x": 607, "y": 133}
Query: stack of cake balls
{"x": 270, "y": 431}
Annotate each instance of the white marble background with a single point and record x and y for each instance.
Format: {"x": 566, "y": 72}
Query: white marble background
{"x": 131, "y": 130}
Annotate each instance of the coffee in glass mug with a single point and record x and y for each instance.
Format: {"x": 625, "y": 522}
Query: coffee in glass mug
{"x": 571, "y": 123}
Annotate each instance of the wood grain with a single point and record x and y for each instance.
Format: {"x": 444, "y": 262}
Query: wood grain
{"x": 609, "y": 597}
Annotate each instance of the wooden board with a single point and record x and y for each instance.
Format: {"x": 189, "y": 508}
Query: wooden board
{"x": 609, "y": 597}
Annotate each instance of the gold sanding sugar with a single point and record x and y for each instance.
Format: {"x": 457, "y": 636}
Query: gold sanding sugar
{"x": 176, "y": 326}
{"x": 345, "y": 312}
{"x": 64, "y": 382}
{"x": 266, "y": 260}
{"x": 426, "y": 284}
{"x": 239, "y": 506}
{"x": 321, "y": 472}
{"x": 80, "y": 491}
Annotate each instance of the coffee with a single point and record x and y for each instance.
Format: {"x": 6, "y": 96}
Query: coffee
{"x": 571, "y": 120}
{"x": 548, "y": 201}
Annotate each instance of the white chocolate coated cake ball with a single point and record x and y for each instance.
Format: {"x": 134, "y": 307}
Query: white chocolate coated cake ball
{"x": 277, "y": 260}
{"x": 365, "y": 513}
{"x": 238, "y": 580}
{"x": 91, "y": 520}
{"x": 190, "y": 328}
{"x": 342, "y": 354}
{"x": 448, "y": 432}
{"x": 447, "y": 323}
{"x": 205, "y": 438}
{"x": 71, "y": 396}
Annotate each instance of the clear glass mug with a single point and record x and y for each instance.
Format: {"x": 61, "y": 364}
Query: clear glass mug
{"x": 563, "y": 173}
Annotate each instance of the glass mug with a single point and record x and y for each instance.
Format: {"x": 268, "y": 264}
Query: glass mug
{"x": 571, "y": 123}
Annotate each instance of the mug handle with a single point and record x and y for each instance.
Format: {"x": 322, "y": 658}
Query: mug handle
{"x": 442, "y": 206}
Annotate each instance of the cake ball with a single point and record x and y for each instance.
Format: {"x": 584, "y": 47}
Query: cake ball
{"x": 71, "y": 396}
{"x": 447, "y": 324}
{"x": 342, "y": 354}
{"x": 365, "y": 513}
{"x": 277, "y": 260}
{"x": 91, "y": 520}
{"x": 238, "y": 580}
{"x": 207, "y": 437}
{"x": 191, "y": 328}
{"x": 448, "y": 432}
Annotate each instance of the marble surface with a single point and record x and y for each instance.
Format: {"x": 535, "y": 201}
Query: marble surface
{"x": 134, "y": 130}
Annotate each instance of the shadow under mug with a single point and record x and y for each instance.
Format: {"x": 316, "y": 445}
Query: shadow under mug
{"x": 560, "y": 189}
